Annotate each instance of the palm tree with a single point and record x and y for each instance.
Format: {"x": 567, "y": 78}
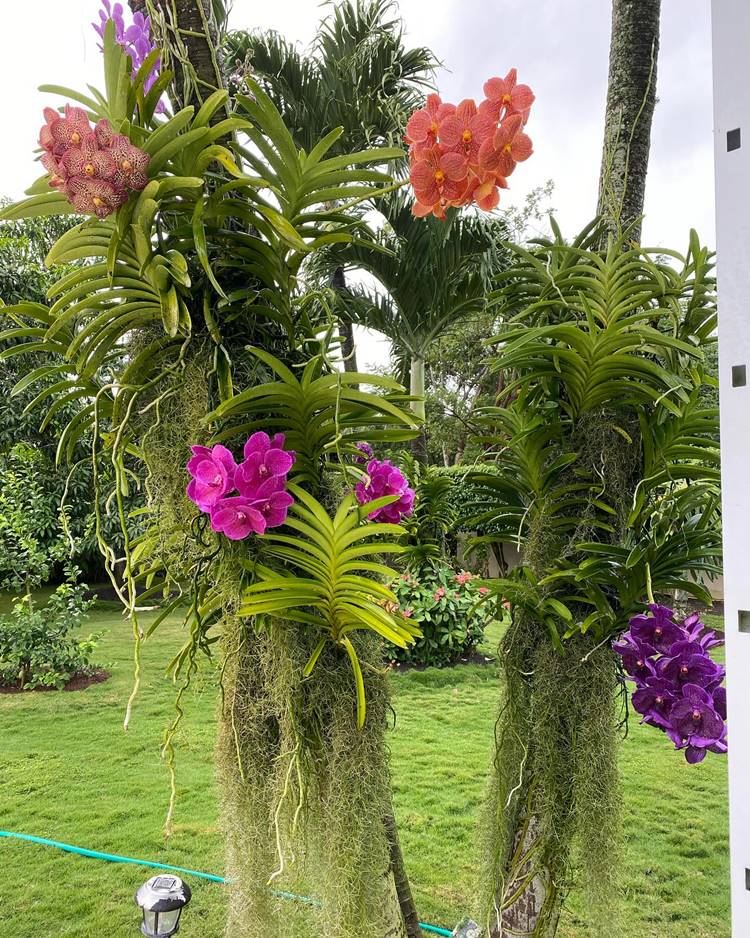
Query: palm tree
{"x": 358, "y": 74}
{"x": 631, "y": 98}
{"x": 429, "y": 274}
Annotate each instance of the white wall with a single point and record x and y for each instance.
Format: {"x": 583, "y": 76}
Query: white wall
{"x": 731, "y": 67}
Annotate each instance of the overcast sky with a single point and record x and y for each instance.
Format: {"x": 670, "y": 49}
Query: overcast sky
{"x": 560, "y": 48}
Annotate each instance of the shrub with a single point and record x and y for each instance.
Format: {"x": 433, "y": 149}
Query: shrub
{"x": 37, "y": 647}
{"x": 445, "y": 605}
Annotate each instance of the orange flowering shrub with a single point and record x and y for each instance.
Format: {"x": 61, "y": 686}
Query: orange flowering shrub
{"x": 463, "y": 154}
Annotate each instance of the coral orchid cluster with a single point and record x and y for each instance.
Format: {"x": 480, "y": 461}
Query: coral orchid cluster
{"x": 463, "y": 154}
{"x": 94, "y": 167}
{"x": 134, "y": 39}
{"x": 383, "y": 478}
{"x": 260, "y": 482}
{"x": 678, "y": 686}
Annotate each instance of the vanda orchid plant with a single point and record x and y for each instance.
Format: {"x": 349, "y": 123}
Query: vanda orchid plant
{"x": 187, "y": 335}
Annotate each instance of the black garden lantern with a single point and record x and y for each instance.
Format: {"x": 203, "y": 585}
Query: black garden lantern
{"x": 162, "y": 900}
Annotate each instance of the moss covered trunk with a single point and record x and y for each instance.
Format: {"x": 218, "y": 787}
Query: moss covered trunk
{"x": 304, "y": 791}
{"x": 555, "y": 799}
{"x": 554, "y": 806}
{"x": 190, "y": 37}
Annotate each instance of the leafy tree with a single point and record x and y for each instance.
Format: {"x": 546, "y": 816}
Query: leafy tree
{"x": 607, "y": 474}
{"x": 358, "y": 75}
{"x": 28, "y": 435}
{"x": 458, "y": 382}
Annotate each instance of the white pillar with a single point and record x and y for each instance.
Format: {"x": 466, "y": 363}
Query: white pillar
{"x": 731, "y": 69}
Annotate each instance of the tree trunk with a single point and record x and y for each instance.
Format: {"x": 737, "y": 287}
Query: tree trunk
{"x": 417, "y": 390}
{"x": 631, "y": 96}
{"x": 192, "y": 46}
{"x": 401, "y": 880}
{"x": 348, "y": 347}
{"x": 528, "y": 903}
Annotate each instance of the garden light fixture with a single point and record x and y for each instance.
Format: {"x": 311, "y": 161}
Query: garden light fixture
{"x": 162, "y": 900}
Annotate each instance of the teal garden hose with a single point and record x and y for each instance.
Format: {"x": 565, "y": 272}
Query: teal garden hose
{"x": 115, "y": 858}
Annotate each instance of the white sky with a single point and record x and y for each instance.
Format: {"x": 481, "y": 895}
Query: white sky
{"x": 560, "y": 48}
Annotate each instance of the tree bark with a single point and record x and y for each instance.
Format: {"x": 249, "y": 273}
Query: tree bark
{"x": 529, "y": 904}
{"x": 192, "y": 44}
{"x": 631, "y": 96}
{"x": 348, "y": 347}
{"x": 401, "y": 879}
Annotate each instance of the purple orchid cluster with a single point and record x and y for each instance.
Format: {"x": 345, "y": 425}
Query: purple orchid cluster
{"x": 134, "y": 39}
{"x": 678, "y": 686}
{"x": 383, "y": 478}
{"x": 365, "y": 452}
{"x": 260, "y": 482}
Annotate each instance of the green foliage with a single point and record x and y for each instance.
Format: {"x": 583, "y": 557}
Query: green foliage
{"x": 31, "y": 535}
{"x": 430, "y": 274}
{"x": 606, "y": 475}
{"x": 329, "y": 557}
{"x": 323, "y": 413}
{"x": 439, "y": 744}
{"x": 358, "y": 75}
{"x": 37, "y": 648}
{"x": 458, "y": 382}
{"x": 434, "y": 515}
{"x": 604, "y": 446}
{"x": 448, "y": 610}
{"x": 191, "y": 319}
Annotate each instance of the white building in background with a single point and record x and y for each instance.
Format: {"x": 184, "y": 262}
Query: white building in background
{"x": 731, "y": 67}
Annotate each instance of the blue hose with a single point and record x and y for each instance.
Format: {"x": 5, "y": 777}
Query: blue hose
{"x": 115, "y": 858}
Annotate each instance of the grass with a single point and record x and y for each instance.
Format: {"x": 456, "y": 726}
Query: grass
{"x": 70, "y": 773}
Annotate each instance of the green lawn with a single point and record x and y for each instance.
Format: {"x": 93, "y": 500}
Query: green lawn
{"x": 70, "y": 773}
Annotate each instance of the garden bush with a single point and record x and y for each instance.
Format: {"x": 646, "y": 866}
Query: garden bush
{"x": 446, "y": 605}
{"x": 38, "y": 646}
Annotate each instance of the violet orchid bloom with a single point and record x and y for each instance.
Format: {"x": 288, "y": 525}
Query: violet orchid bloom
{"x": 365, "y": 452}
{"x": 678, "y": 685}
{"x": 694, "y": 722}
{"x": 657, "y": 630}
{"x": 213, "y": 472}
{"x": 654, "y": 700}
{"x": 114, "y": 13}
{"x": 383, "y": 478}
{"x": 636, "y": 657}
{"x": 697, "y": 632}
{"x": 720, "y": 701}
{"x": 236, "y": 517}
{"x": 687, "y": 668}
{"x": 134, "y": 39}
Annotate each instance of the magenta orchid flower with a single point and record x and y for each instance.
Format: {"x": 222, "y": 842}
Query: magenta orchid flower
{"x": 383, "y": 478}
{"x": 260, "y": 481}
{"x": 213, "y": 471}
{"x": 237, "y": 518}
